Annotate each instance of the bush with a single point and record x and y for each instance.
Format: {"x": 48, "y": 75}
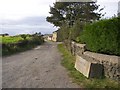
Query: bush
{"x": 103, "y": 36}
{"x": 66, "y": 32}
{"x": 24, "y": 36}
{"x": 23, "y": 43}
{"x": 37, "y": 40}
{"x": 76, "y": 29}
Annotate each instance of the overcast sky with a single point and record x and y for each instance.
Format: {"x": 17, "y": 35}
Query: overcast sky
{"x": 17, "y": 9}
{"x": 23, "y": 10}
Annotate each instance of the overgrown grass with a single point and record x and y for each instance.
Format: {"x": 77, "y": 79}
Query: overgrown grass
{"x": 69, "y": 61}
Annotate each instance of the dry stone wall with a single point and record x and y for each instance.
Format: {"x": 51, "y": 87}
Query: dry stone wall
{"x": 111, "y": 63}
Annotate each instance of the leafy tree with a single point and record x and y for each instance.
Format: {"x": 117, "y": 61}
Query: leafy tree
{"x": 68, "y": 16}
{"x": 24, "y": 36}
{"x": 69, "y": 12}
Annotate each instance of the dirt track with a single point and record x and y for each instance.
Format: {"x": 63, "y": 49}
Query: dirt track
{"x": 37, "y": 68}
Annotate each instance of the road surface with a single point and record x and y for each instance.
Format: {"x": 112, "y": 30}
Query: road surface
{"x": 36, "y": 68}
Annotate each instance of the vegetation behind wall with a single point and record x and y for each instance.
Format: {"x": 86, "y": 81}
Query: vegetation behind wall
{"x": 102, "y": 36}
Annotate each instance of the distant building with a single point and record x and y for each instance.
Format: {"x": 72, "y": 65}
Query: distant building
{"x": 54, "y": 37}
{"x": 50, "y": 38}
{"x": 47, "y": 37}
{"x": 119, "y": 8}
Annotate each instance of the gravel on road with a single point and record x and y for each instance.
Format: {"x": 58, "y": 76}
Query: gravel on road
{"x": 37, "y": 68}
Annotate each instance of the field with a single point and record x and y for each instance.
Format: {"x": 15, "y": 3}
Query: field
{"x": 11, "y": 39}
{"x": 14, "y": 44}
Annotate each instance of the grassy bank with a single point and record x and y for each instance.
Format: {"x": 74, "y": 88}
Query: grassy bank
{"x": 69, "y": 61}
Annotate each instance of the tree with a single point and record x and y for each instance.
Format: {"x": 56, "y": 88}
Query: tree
{"x": 67, "y": 15}
{"x": 69, "y": 12}
{"x": 24, "y": 36}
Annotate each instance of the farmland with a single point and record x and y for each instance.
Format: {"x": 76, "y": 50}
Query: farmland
{"x": 11, "y": 39}
{"x": 14, "y": 44}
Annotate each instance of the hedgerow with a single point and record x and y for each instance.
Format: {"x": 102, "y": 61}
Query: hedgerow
{"x": 102, "y": 36}
{"x": 21, "y": 45}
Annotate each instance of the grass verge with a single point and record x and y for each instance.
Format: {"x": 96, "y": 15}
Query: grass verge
{"x": 69, "y": 61}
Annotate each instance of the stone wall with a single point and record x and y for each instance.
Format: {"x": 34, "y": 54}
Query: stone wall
{"x": 111, "y": 63}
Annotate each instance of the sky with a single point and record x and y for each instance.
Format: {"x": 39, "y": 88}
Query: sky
{"x": 31, "y": 13}
{"x": 18, "y": 9}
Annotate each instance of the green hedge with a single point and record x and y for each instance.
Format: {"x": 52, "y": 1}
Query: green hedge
{"x": 22, "y": 45}
{"x": 103, "y": 36}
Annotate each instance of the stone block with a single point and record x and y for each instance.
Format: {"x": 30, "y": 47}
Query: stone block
{"x": 80, "y": 48}
{"x": 88, "y": 68}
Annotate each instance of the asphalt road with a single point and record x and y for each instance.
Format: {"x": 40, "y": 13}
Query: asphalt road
{"x": 36, "y": 68}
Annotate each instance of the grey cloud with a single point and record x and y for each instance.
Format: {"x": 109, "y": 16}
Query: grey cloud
{"x": 27, "y": 25}
{"x": 26, "y": 21}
